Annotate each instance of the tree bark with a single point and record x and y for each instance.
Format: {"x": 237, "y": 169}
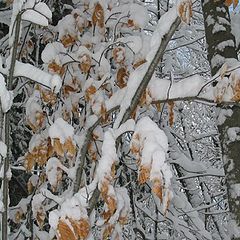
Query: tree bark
{"x": 221, "y": 47}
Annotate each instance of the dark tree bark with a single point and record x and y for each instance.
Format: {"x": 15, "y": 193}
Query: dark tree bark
{"x": 221, "y": 47}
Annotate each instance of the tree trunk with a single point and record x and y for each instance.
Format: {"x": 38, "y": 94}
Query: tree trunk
{"x": 221, "y": 47}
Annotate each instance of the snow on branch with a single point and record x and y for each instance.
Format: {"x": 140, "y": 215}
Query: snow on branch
{"x": 54, "y": 82}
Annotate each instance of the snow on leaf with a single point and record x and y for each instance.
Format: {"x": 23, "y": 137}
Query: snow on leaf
{"x": 61, "y": 130}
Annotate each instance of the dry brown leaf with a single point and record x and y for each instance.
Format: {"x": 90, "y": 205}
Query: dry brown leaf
{"x": 65, "y": 232}
{"x": 68, "y": 40}
{"x": 81, "y": 228}
{"x": 158, "y": 106}
{"x": 29, "y": 187}
{"x": 85, "y": 64}
{"x": 122, "y": 77}
{"x": 185, "y": 10}
{"x": 98, "y": 16}
{"x": 236, "y": 88}
{"x": 228, "y": 3}
{"x": 53, "y": 67}
{"x": 29, "y": 162}
{"x": 69, "y": 147}
{"x": 58, "y": 147}
{"x": 67, "y": 89}
{"x": 90, "y": 92}
{"x": 171, "y": 113}
{"x": 158, "y": 188}
{"x": 48, "y": 96}
{"x": 144, "y": 174}
{"x": 41, "y": 215}
{"x": 119, "y": 55}
{"x": 107, "y": 231}
{"x": 18, "y": 216}
{"x": 139, "y": 63}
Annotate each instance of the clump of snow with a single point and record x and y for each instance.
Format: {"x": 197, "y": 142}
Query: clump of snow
{"x": 61, "y": 129}
{"x": 36, "y": 12}
{"x": 233, "y": 134}
{"x": 54, "y": 82}
{"x": 5, "y": 95}
{"x": 51, "y": 51}
{"x": 223, "y": 114}
{"x": 109, "y": 157}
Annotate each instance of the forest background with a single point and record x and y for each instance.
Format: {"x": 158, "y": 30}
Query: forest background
{"x": 120, "y": 119}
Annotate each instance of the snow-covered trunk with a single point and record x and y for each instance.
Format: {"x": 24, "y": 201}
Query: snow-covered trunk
{"x": 221, "y": 48}
{"x": 220, "y": 40}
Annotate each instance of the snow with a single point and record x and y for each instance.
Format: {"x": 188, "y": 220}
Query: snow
{"x": 187, "y": 87}
{"x": 3, "y": 149}
{"x": 233, "y": 134}
{"x": 5, "y": 95}
{"x": 54, "y": 82}
{"x": 36, "y": 12}
{"x": 223, "y": 114}
{"x": 133, "y": 42}
{"x": 109, "y": 157}
{"x": 34, "y": 17}
{"x": 222, "y": 45}
{"x": 52, "y": 170}
{"x": 217, "y": 60}
{"x": 128, "y": 126}
{"x": 51, "y": 51}
{"x": 61, "y": 130}
{"x": 67, "y": 26}
{"x": 217, "y": 28}
{"x": 210, "y": 20}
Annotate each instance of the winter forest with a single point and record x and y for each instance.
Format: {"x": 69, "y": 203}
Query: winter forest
{"x": 119, "y": 119}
